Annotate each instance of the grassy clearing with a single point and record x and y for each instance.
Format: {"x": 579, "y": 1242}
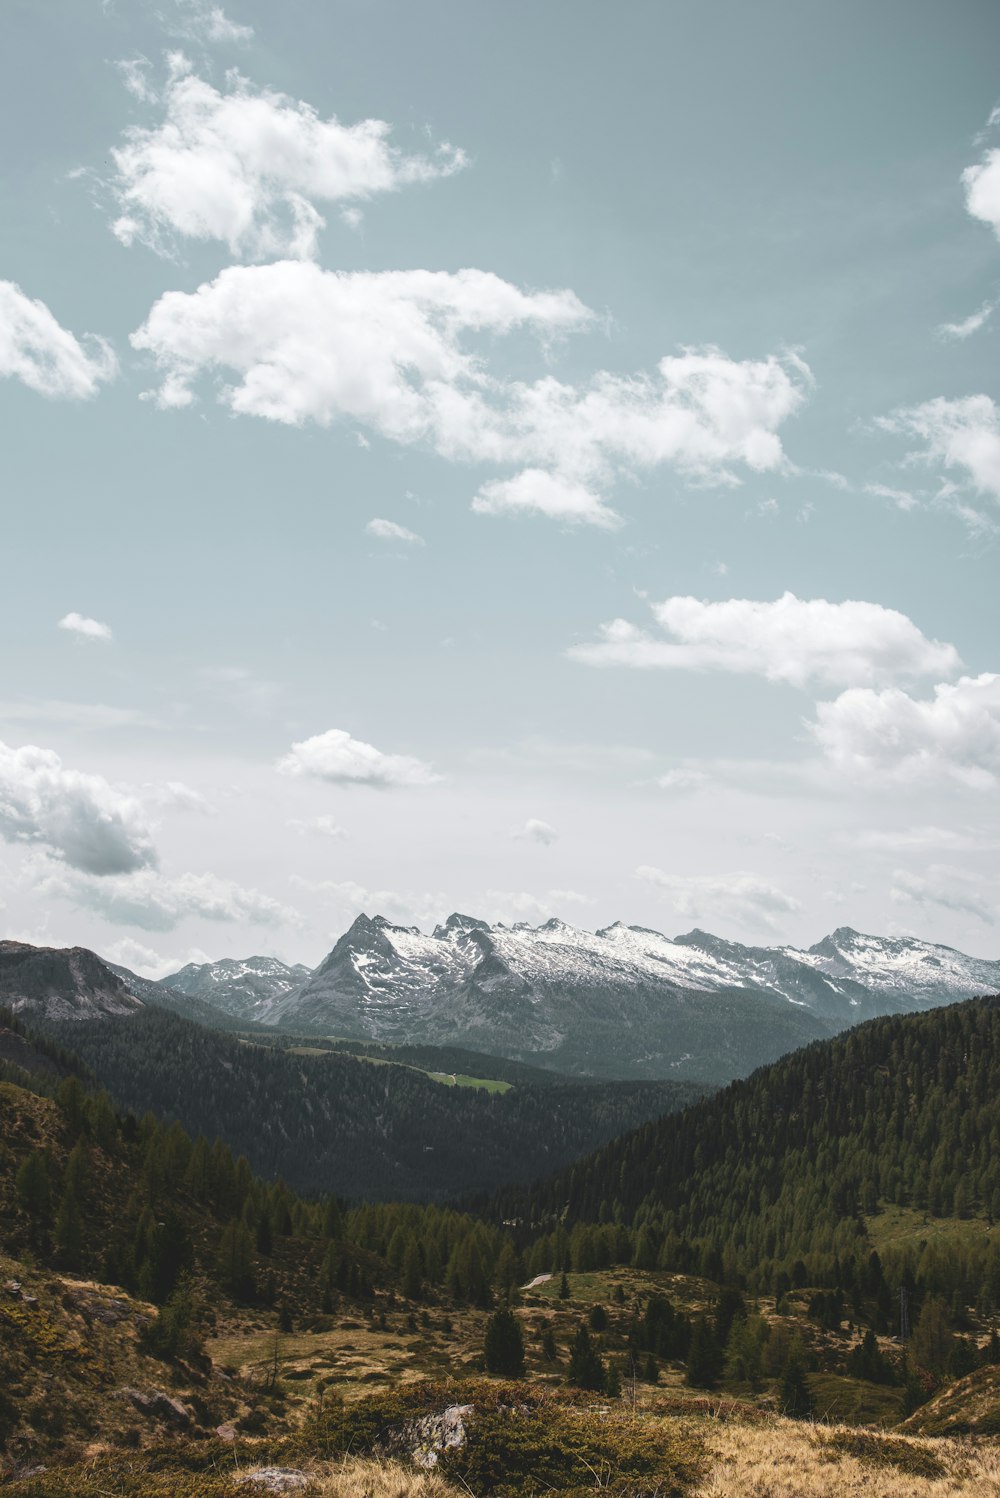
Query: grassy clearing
{"x": 447, "y": 1079}
{"x": 903, "y": 1227}
{"x": 456, "y": 1079}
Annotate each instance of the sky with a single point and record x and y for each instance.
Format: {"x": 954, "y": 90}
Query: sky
{"x": 534, "y": 460}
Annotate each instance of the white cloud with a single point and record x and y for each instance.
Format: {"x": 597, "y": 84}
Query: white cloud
{"x": 386, "y": 351}
{"x": 535, "y": 831}
{"x": 790, "y": 640}
{"x": 337, "y": 757}
{"x": 247, "y": 167}
{"x": 961, "y": 434}
{"x": 534, "y": 490}
{"x": 388, "y": 530}
{"x": 683, "y": 779}
{"x": 89, "y": 629}
{"x": 952, "y": 889}
{"x": 139, "y": 958}
{"x": 743, "y": 898}
{"x": 316, "y": 826}
{"x": 154, "y": 903}
{"x": 901, "y": 498}
{"x": 174, "y": 795}
{"x": 200, "y": 21}
{"x": 94, "y": 716}
{"x": 969, "y": 325}
{"x": 910, "y": 839}
{"x": 953, "y": 735}
{"x": 47, "y": 358}
{"x": 78, "y": 818}
{"x": 982, "y": 190}
{"x": 135, "y": 76}
{"x": 407, "y": 907}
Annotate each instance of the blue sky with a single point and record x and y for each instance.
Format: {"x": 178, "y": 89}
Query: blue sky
{"x": 576, "y": 494}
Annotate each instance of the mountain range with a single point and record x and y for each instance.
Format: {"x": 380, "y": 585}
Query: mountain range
{"x": 623, "y": 1001}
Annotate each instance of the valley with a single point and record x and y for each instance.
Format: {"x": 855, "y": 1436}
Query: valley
{"x": 798, "y": 1273}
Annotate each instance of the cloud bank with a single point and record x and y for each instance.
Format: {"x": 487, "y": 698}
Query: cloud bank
{"x": 387, "y": 351}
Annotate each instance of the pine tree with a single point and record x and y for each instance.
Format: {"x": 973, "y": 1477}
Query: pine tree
{"x": 564, "y": 1286}
{"x": 704, "y": 1359}
{"x": 586, "y": 1370}
{"x": 796, "y": 1399}
{"x": 69, "y": 1230}
{"x": 504, "y": 1345}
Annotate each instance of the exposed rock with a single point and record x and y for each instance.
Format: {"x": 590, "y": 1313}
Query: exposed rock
{"x": 427, "y": 1438}
{"x": 274, "y": 1480}
{"x": 159, "y": 1406}
{"x": 226, "y": 1432}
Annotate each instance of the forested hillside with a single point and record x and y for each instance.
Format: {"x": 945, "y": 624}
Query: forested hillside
{"x": 331, "y": 1122}
{"x": 773, "y": 1180}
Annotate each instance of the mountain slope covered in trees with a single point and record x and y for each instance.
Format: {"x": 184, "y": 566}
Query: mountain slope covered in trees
{"x": 780, "y": 1175}
{"x": 332, "y": 1122}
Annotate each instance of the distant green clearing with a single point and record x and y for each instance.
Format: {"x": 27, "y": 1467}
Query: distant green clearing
{"x": 447, "y": 1079}
{"x": 899, "y": 1227}
{"x": 453, "y": 1079}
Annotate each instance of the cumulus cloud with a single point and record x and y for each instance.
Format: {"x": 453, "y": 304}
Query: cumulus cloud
{"x": 982, "y": 189}
{"x": 154, "y": 903}
{"x": 790, "y": 640}
{"x": 535, "y": 831}
{"x": 36, "y": 350}
{"x": 388, "y": 530}
{"x": 387, "y": 351}
{"x": 955, "y": 734}
{"x": 342, "y": 760}
{"x": 248, "y": 167}
{"x": 743, "y": 898}
{"x": 951, "y": 889}
{"x": 78, "y": 818}
{"x": 88, "y": 629}
{"x": 962, "y": 435}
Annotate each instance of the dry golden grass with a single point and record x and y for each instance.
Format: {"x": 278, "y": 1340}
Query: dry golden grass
{"x": 371, "y": 1479}
{"x": 791, "y": 1459}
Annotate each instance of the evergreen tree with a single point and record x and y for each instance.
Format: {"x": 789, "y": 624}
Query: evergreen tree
{"x": 504, "y": 1345}
{"x": 795, "y": 1399}
{"x": 704, "y": 1359}
{"x": 586, "y": 1370}
{"x": 68, "y": 1232}
{"x": 564, "y": 1286}
{"x": 235, "y": 1263}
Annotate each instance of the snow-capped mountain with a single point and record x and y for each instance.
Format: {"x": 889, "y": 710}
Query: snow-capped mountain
{"x": 238, "y": 986}
{"x": 624, "y": 1000}
{"x": 61, "y": 983}
{"x": 918, "y": 973}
